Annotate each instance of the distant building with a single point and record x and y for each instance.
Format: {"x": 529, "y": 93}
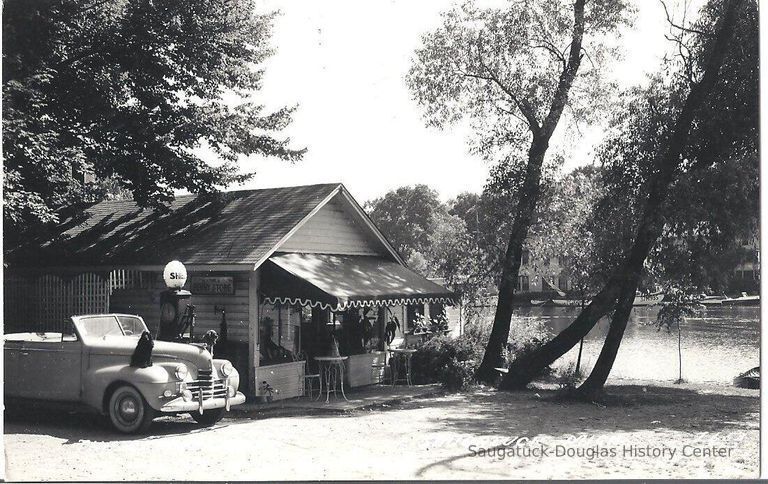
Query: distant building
{"x": 544, "y": 275}
{"x": 747, "y": 272}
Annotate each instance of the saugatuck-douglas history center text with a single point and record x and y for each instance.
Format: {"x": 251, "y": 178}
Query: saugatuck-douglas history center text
{"x": 519, "y": 448}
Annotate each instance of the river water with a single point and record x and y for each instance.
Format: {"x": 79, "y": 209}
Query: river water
{"x": 716, "y": 345}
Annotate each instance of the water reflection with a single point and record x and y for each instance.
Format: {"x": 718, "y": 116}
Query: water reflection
{"x": 716, "y": 345}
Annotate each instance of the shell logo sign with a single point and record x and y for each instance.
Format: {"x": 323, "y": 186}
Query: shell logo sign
{"x": 175, "y": 275}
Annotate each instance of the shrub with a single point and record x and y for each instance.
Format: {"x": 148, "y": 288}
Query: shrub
{"x": 568, "y": 378}
{"x": 525, "y": 336}
{"x": 453, "y": 361}
{"x": 450, "y": 361}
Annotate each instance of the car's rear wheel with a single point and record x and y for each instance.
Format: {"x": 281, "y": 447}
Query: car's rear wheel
{"x": 128, "y": 411}
{"x": 209, "y": 417}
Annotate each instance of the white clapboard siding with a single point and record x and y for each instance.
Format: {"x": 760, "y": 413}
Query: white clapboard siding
{"x": 333, "y": 230}
{"x": 286, "y": 378}
{"x": 365, "y": 369}
{"x": 146, "y": 303}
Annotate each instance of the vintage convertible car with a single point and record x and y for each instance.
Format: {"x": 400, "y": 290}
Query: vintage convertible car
{"x": 91, "y": 365}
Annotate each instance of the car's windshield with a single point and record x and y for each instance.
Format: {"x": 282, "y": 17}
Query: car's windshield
{"x": 132, "y": 325}
{"x": 110, "y": 325}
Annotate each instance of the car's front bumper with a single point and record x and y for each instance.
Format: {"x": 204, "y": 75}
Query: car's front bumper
{"x": 179, "y": 405}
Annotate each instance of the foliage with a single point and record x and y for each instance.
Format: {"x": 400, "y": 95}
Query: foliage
{"x": 568, "y": 378}
{"x": 526, "y": 335}
{"x": 450, "y": 361}
{"x": 130, "y": 92}
{"x": 453, "y": 360}
{"x": 713, "y": 205}
{"x": 560, "y": 226}
{"x": 498, "y": 67}
{"x": 677, "y": 306}
{"x": 265, "y": 387}
{"x": 407, "y": 216}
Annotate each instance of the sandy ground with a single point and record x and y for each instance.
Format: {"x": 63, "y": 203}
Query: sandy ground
{"x": 654, "y": 430}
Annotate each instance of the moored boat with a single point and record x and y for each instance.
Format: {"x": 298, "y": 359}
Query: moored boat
{"x": 748, "y": 379}
{"x": 711, "y": 300}
{"x": 648, "y": 299}
{"x": 570, "y": 302}
{"x": 743, "y": 300}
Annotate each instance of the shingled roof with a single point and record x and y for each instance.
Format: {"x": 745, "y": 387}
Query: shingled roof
{"x": 237, "y": 227}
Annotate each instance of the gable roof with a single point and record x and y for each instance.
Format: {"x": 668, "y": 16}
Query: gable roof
{"x": 229, "y": 228}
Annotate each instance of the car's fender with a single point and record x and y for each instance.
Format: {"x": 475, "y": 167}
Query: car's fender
{"x": 234, "y": 377}
{"x": 98, "y": 381}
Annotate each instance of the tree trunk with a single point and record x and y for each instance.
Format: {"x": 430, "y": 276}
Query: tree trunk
{"x": 529, "y": 193}
{"x": 524, "y": 369}
{"x": 494, "y": 351}
{"x": 653, "y": 219}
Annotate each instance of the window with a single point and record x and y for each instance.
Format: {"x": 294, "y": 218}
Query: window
{"x": 525, "y": 257}
{"x": 523, "y": 283}
{"x": 414, "y": 310}
{"x": 562, "y": 283}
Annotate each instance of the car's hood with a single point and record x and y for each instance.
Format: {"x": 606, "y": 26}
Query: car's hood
{"x": 163, "y": 350}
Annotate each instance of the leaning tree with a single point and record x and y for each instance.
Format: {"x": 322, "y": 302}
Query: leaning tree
{"x": 665, "y": 129}
{"x": 511, "y": 73}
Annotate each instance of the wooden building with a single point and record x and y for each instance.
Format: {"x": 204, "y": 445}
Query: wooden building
{"x": 274, "y": 271}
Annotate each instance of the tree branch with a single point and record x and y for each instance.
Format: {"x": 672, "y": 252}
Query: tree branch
{"x": 680, "y": 27}
{"x": 522, "y": 104}
{"x": 568, "y": 75}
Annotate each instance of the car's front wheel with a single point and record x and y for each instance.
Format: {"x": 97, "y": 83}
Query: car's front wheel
{"x": 209, "y": 417}
{"x": 128, "y": 411}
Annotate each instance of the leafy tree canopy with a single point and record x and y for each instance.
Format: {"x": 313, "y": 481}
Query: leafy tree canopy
{"x": 128, "y": 90}
{"x": 713, "y": 205}
{"x": 499, "y": 68}
{"x": 407, "y": 216}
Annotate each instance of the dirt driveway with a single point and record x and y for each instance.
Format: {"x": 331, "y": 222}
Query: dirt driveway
{"x": 655, "y": 430}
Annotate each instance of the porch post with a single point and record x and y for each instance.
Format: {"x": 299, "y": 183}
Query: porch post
{"x": 254, "y": 310}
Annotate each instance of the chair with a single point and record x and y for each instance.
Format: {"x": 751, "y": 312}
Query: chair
{"x": 309, "y": 377}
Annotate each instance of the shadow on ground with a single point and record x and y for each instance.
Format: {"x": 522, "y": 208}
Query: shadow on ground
{"x": 76, "y": 426}
{"x": 631, "y": 408}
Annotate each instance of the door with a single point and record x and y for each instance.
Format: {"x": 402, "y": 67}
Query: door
{"x": 11, "y": 370}
{"x": 50, "y": 370}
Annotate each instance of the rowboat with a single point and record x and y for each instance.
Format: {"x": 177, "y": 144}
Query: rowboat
{"x": 748, "y": 379}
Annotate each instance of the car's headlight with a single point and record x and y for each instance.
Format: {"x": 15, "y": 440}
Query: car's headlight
{"x": 181, "y": 371}
{"x": 227, "y": 368}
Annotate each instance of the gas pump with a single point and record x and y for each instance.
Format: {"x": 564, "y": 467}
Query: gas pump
{"x": 176, "y": 313}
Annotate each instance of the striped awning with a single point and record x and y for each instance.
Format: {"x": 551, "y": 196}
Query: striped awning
{"x": 338, "y": 282}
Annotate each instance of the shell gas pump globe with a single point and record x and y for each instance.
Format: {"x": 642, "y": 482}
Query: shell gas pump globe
{"x": 175, "y": 275}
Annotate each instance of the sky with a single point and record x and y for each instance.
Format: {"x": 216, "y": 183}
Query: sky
{"x": 343, "y": 62}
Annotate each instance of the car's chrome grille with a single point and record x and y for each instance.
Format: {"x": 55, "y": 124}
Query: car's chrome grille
{"x": 212, "y": 388}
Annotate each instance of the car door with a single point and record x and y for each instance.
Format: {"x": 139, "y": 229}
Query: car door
{"x": 12, "y": 376}
{"x": 51, "y": 369}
